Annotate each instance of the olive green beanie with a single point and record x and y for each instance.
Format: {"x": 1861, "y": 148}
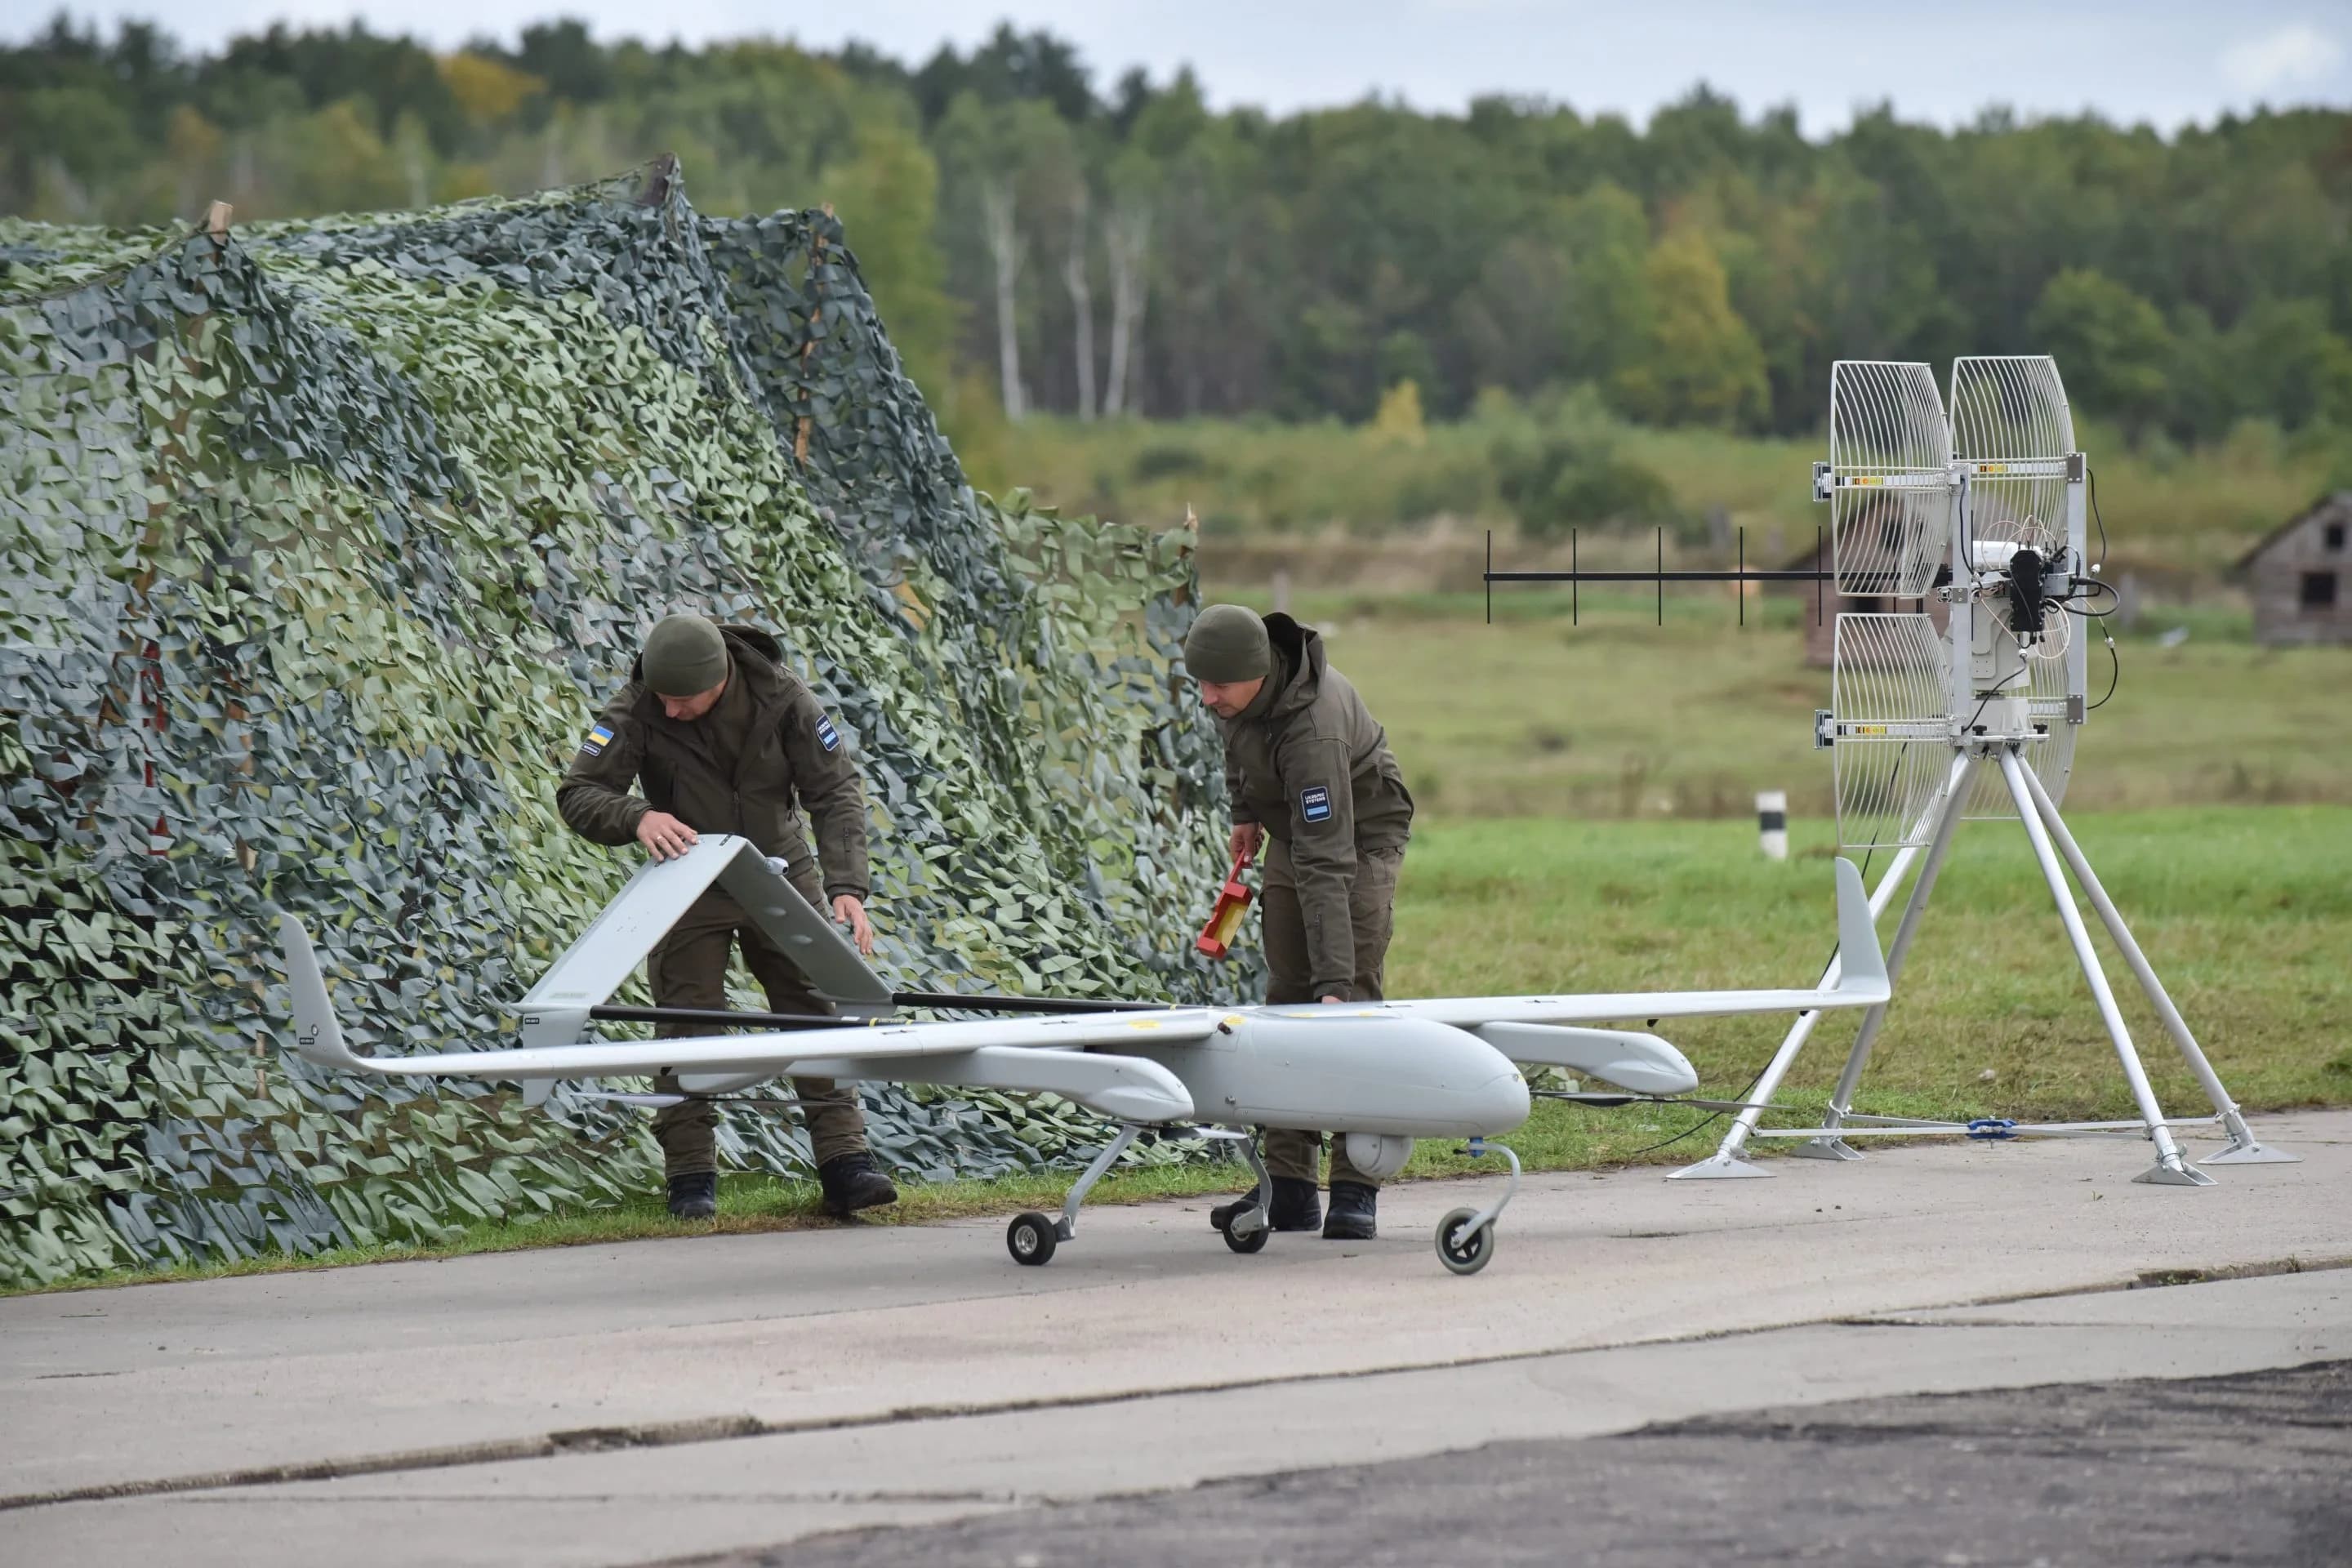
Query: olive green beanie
{"x": 1228, "y": 643}
{"x": 684, "y": 655}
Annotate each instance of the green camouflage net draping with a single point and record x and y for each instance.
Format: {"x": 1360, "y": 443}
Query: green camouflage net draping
{"x": 322, "y": 542}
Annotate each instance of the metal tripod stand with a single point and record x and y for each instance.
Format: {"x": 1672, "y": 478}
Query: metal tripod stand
{"x": 2047, "y": 832}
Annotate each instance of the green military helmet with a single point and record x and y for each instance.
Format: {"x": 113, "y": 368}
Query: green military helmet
{"x": 684, "y": 655}
{"x": 1228, "y": 643}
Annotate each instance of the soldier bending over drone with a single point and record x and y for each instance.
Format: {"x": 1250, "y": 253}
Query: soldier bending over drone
{"x": 727, "y": 740}
{"x": 1313, "y": 782}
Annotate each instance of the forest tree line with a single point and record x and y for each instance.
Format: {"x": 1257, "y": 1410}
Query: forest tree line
{"x": 1091, "y": 249}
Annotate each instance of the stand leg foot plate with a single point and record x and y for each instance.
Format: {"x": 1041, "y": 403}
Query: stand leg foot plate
{"x": 1717, "y": 1168}
{"x": 2181, "y": 1175}
{"x": 1825, "y": 1149}
{"x": 2252, "y": 1153}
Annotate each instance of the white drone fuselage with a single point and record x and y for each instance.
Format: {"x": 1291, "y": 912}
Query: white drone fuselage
{"x": 1334, "y": 1067}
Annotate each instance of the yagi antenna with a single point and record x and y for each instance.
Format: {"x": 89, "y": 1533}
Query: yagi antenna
{"x": 1888, "y": 484}
{"x": 1576, "y": 575}
{"x": 1964, "y": 709}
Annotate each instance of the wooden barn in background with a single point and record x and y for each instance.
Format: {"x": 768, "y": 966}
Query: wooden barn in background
{"x": 1820, "y": 633}
{"x": 2301, "y": 576}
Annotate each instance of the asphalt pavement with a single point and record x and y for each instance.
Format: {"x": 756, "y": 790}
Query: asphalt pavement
{"x": 2254, "y": 1470}
{"x": 655, "y": 1400}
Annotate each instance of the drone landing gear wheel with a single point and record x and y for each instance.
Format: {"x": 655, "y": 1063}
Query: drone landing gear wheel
{"x": 1246, "y": 1229}
{"x": 1031, "y": 1239}
{"x": 1461, "y": 1250}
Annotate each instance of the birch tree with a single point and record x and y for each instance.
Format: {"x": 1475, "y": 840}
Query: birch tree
{"x": 1126, "y": 248}
{"x": 1078, "y": 277}
{"x": 1001, "y": 234}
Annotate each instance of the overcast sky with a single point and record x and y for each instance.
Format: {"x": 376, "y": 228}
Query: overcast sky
{"x": 2161, "y": 62}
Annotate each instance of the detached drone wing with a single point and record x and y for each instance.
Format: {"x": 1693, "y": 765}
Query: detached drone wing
{"x": 1054, "y": 1053}
{"x": 1862, "y": 983}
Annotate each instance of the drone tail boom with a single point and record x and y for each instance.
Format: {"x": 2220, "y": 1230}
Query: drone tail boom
{"x": 1062, "y": 1055}
{"x": 1633, "y": 1060}
{"x": 1862, "y": 983}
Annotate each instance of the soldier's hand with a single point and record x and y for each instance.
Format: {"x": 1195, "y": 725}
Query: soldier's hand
{"x": 850, "y": 910}
{"x": 1341, "y": 1000}
{"x": 663, "y": 835}
{"x": 1246, "y": 841}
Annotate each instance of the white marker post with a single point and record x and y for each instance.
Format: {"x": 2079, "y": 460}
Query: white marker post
{"x": 1772, "y": 823}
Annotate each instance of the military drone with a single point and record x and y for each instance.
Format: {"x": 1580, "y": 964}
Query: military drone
{"x": 1379, "y": 1074}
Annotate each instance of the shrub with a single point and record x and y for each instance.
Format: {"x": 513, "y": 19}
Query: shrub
{"x": 1566, "y": 467}
{"x": 1168, "y": 460}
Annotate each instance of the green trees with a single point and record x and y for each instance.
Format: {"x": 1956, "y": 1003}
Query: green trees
{"x": 2283, "y": 362}
{"x": 1607, "y": 314}
{"x": 2116, "y": 350}
{"x": 1697, "y": 364}
{"x": 1122, "y": 250}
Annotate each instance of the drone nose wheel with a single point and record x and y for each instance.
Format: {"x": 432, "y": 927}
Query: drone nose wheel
{"x": 1465, "y": 1238}
{"x": 1031, "y": 1239}
{"x": 1463, "y": 1246}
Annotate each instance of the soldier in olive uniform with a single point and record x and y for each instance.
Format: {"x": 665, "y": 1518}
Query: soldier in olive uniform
{"x": 725, "y": 739}
{"x": 1312, "y": 779}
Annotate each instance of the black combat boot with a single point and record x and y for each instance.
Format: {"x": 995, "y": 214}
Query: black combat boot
{"x": 851, "y": 1183}
{"x": 1354, "y": 1212}
{"x": 695, "y": 1196}
{"x": 1295, "y": 1206}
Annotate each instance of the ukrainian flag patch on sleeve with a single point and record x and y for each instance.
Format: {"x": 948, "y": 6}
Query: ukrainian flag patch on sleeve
{"x": 598, "y": 739}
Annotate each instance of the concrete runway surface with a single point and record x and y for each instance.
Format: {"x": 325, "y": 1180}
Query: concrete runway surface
{"x": 725, "y": 1395}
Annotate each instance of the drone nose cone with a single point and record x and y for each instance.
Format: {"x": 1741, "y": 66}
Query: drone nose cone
{"x": 1501, "y": 1103}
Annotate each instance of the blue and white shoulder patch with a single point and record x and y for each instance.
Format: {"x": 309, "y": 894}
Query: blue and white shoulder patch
{"x": 826, "y": 735}
{"x": 1315, "y": 803}
{"x": 598, "y": 739}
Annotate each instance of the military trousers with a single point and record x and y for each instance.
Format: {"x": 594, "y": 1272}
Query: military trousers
{"x": 689, "y": 969}
{"x": 1372, "y": 902}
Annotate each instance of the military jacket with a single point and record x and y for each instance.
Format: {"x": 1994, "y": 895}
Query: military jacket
{"x": 788, "y": 758}
{"x": 1308, "y": 762}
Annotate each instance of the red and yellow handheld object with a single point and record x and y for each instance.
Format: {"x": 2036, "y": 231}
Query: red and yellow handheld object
{"x": 1216, "y": 938}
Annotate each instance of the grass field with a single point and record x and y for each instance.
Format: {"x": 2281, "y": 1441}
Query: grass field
{"x": 2246, "y": 912}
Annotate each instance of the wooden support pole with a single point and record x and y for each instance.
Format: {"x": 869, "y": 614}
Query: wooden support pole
{"x": 808, "y": 346}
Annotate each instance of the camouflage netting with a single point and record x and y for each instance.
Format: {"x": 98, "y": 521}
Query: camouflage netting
{"x": 322, "y": 543}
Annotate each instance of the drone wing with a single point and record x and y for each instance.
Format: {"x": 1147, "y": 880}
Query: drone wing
{"x": 1862, "y": 983}
{"x": 652, "y": 901}
{"x": 1070, "y": 1055}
